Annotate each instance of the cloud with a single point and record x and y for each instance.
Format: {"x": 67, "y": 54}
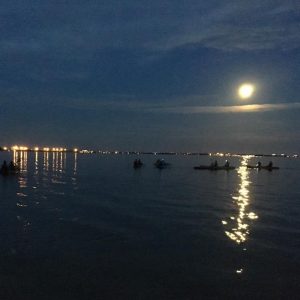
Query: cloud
{"x": 133, "y": 105}
{"x": 81, "y": 27}
{"x": 238, "y": 25}
{"x": 228, "y": 109}
{"x": 149, "y": 49}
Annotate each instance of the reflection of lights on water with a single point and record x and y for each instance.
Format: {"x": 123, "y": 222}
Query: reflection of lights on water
{"x": 20, "y": 159}
{"x": 46, "y": 161}
{"x": 75, "y": 163}
{"x": 36, "y": 169}
{"x": 74, "y": 177}
{"x": 62, "y": 159}
{"x": 15, "y": 157}
{"x": 36, "y": 162}
{"x": 36, "y": 158}
{"x": 54, "y": 167}
{"x": 252, "y": 216}
{"x": 58, "y": 161}
{"x": 240, "y": 230}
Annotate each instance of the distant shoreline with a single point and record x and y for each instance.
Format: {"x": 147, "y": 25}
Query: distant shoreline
{"x": 117, "y": 152}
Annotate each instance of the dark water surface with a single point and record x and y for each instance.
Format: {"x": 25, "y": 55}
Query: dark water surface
{"x": 91, "y": 227}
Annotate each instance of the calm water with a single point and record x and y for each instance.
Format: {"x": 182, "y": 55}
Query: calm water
{"x": 92, "y": 227}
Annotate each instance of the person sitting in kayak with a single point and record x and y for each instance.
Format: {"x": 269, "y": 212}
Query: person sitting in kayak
{"x": 215, "y": 164}
{"x": 270, "y": 165}
{"x": 258, "y": 165}
{"x": 4, "y": 168}
{"x": 137, "y": 163}
{"x": 226, "y": 164}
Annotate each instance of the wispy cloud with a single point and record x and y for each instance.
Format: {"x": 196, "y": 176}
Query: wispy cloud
{"x": 226, "y": 25}
{"x": 236, "y": 25}
{"x": 228, "y": 109}
{"x": 131, "y": 104}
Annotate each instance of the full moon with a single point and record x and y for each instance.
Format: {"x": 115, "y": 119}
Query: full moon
{"x": 246, "y": 90}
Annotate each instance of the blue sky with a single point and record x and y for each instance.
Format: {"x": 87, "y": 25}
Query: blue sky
{"x": 159, "y": 75}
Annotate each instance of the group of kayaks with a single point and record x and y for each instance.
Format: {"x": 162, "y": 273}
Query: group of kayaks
{"x": 13, "y": 169}
{"x": 161, "y": 164}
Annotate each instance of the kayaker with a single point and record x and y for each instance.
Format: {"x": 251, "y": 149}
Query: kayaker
{"x": 4, "y": 168}
{"x": 215, "y": 164}
{"x": 270, "y": 165}
{"x": 226, "y": 164}
{"x": 258, "y": 164}
{"x": 137, "y": 163}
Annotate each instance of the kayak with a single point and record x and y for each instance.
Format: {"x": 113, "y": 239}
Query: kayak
{"x": 137, "y": 164}
{"x": 9, "y": 172}
{"x": 263, "y": 168}
{"x": 212, "y": 168}
{"x": 161, "y": 164}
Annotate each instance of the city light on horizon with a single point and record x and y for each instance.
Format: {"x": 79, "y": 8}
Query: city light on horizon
{"x": 36, "y": 149}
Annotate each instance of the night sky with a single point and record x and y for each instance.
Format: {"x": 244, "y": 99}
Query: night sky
{"x": 150, "y": 75}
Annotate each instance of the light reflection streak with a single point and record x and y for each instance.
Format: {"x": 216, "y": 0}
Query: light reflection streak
{"x": 36, "y": 169}
{"x": 17, "y": 159}
{"x": 74, "y": 177}
{"x": 75, "y": 163}
{"x": 36, "y": 163}
{"x": 58, "y": 162}
{"x": 20, "y": 160}
{"x": 46, "y": 162}
{"x": 62, "y": 161}
{"x": 58, "y": 168}
{"x": 54, "y": 162}
{"x": 238, "y": 226}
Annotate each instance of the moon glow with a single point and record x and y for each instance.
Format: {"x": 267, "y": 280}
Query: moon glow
{"x": 246, "y": 90}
